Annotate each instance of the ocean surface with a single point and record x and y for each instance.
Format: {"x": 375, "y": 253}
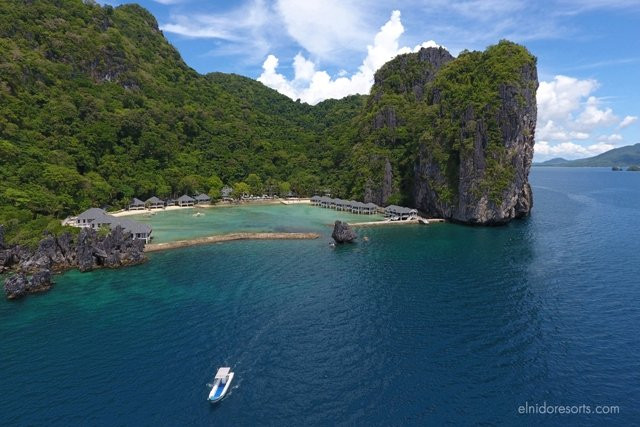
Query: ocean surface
{"x": 417, "y": 325}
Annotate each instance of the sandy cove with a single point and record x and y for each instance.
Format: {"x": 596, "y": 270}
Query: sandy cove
{"x": 154, "y": 247}
{"x": 216, "y": 205}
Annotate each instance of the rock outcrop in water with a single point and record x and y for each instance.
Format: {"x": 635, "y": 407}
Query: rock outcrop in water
{"x": 87, "y": 251}
{"x": 343, "y": 233}
{"x": 452, "y": 137}
{"x": 20, "y": 285}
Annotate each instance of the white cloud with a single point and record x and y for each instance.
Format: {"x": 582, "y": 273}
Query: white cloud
{"x": 570, "y": 150}
{"x": 610, "y": 138}
{"x": 627, "y": 121}
{"x": 325, "y": 27}
{"x": 592, "y": 116}
{"x": 559, "y": 98}
{"x": 568, "y": 115}
{"x": 313, "y": 86}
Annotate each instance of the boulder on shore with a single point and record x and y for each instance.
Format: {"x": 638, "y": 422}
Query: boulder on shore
{"x": 343, "y": 233}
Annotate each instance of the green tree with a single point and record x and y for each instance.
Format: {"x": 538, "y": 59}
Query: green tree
{"x": 284, "y": 188}
{"x": 215, "y": 186}
{"x": 255, "y": 184}
{"x": 240, "y": 189}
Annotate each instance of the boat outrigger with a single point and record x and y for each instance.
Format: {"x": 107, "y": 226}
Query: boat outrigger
{"x": 221, "y": 384}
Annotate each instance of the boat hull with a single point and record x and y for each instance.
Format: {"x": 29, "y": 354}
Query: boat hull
{"x": 219, "y": 390}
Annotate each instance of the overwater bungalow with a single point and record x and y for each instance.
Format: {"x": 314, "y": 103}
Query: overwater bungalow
{"x": 342, "y": 205}
{"x": 324, "y": 201}
{"x": 154, "y": 203}
{"x": 202, "y": 199}
{"x": 185, "y": 201}
{"x": 136, "y": 204}
{"x": 357, "y": 207}
{"x": 370, "y": 208}
{"x": 170, "y": 202}
{"x": 400, "y": 212}
{"x": 315, "y": 200}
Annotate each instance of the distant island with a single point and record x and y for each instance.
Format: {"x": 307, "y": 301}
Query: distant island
{"x": 627, "y": 157}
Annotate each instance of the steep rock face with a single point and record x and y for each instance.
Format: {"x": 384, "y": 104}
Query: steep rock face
{"x": 87, "y": 252}
{"x": 461, "y": 140}
{"x": 389, "y": 126}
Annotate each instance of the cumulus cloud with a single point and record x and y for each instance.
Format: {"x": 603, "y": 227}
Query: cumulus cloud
{"x": 568, "y": 115}
{"x": 627, "y": 121}
{"x": 325, "y": 27}
{"x": 312, "y": 86}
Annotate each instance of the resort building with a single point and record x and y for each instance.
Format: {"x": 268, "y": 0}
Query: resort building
{"x": 345, "y": 205}
{"x": 154, "y": 203}
{"x": 95, "y": 218}
{"x": 85, "y": 219}
{"x": 136, "y": 204}
{"x": 185, "y": 200}
{"x": 399, "y": 213}
{"x": 202, "y": 199}
{"x": 170, "y": 202}
{"x": 226, "y": 193}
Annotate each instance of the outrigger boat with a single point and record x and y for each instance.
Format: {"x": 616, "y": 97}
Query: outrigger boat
{"x": 221, "y": 384}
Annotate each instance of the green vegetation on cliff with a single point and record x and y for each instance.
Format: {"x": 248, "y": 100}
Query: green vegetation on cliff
{"x": 96, "y": 107}
{"x": 430, "y": 102}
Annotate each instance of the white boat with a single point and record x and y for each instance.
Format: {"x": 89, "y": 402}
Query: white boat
{"x": 221, "y": 384}
{"x": 198, "y": 214}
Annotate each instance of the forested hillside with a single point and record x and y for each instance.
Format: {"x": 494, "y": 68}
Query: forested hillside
{"x": 96, "y": 107}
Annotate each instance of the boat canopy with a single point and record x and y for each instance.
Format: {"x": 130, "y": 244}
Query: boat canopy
{"x": 223, "y": 373}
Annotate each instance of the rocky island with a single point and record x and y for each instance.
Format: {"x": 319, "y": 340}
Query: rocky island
{"x": 452, "y": 137}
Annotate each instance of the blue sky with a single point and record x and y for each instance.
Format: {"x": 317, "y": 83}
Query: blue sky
{"x": 588, "y": 52}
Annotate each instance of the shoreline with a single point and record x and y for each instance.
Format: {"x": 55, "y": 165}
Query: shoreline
{"x": 146, "y": 211}
{"x": 155, "y": 247}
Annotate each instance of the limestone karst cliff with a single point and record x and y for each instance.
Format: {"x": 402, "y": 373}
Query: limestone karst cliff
{"x": 452, "y": 137}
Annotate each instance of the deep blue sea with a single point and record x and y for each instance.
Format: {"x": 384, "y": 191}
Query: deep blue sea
{"x": 418, "y": 325}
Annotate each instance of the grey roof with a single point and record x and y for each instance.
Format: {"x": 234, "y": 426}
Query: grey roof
{"x": 315, "y": 198}
{"x": 202, "y": 197}
{"x": 130, "y": 225}
{"x": 399, "y": 209}
{"x": 136, "y": 202}
{"x": 185, "y": 198}
{"x": 91, "y": 214}
{"x": 371, "y": 205}
{"x": 127, "y": 224}
{"x": 154, "y": 199}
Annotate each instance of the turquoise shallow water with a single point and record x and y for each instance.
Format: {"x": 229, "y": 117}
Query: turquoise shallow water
{"x": 181, "y": 224}
{"x": 418, "y": 325}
